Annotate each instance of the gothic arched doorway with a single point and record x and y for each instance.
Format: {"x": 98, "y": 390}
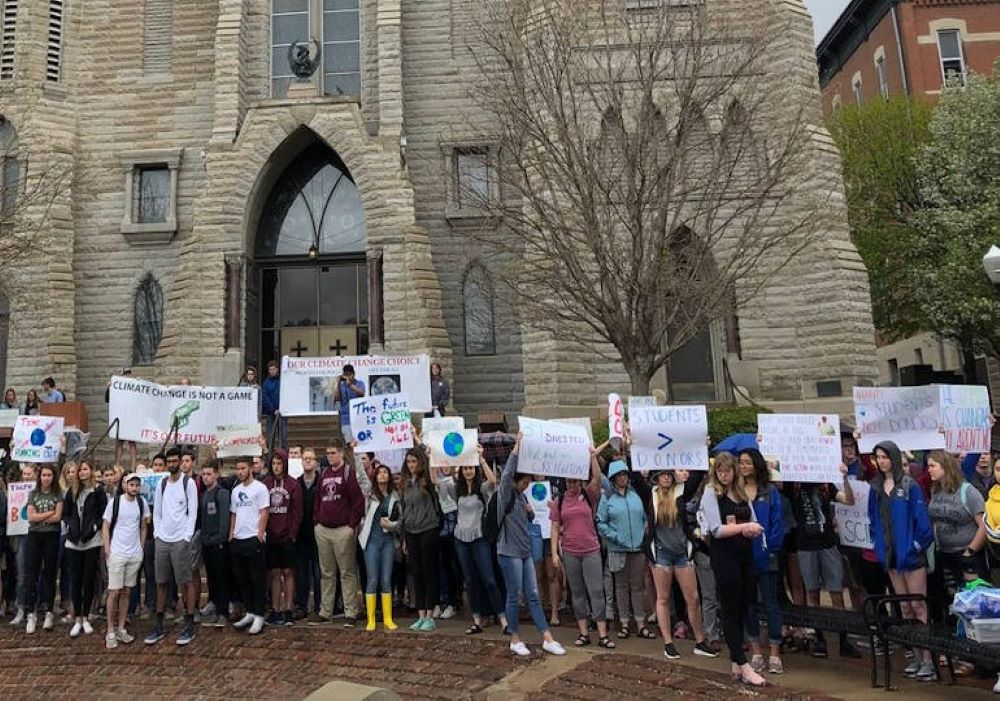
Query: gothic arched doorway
{"x": 310, "y": 280}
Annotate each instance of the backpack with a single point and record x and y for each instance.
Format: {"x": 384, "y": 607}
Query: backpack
{"x": 492, "y": 524}
{"x": 163, "y": 489}
{"x": 114, "y": 514}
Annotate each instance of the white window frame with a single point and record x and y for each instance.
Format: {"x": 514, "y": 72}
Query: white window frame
{"x": 857, "y": 87}
{"x": 961, "y": 53}
{"x": 880, "y": 71}
{"x": 133, "y": 162}
{"x": 314, "y": 22}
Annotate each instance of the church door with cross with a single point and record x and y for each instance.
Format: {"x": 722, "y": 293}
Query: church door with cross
{"x": 310, "y": 264}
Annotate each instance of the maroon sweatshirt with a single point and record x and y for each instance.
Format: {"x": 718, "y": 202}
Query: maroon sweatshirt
{"x": 339, "y": 501}
{"x": 285, "y": 514}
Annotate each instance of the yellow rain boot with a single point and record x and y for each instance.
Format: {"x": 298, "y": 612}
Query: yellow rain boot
{"x": 370, "y": 605}
{"x": 387, "y": 612}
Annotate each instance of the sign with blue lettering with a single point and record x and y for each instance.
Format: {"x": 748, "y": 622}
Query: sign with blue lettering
{"x": 806, "y": 446}
{"x": 669, "y": 437}
{"x": 965, "y": 415}
{"x": 553, "y": 449}
{"x": 908, "y": 416}
{"x": 381, "y": 422}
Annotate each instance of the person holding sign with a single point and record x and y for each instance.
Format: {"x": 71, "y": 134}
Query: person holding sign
{"x": 901, "y": 532}
{"x": 621, "y": 521}
{"x": 729, "y": 519}
{"x": 420, "y": 523}
{"x": 45, "y": 508}
{"x": 348, "y": 388}
{"x": 378, "y": 540}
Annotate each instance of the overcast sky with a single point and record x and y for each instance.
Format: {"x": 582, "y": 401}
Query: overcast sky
{"x": 825, "y": 13}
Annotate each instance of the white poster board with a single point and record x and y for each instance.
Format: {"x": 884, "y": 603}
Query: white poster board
{"x": 381, "y": 422}
{"x": 539, "y": 495}
{"x": 553, "y": 449}
{"x": 37, "y": 439}
{"x": 853, "y": 524}
{"x": 806, "y": 446}
{"x": 908, "y": 416}
{"x": 295, "y": 469}
{"x": 453, "y": 448}
{"x": 237, "y": 441}
{"x": 8, "y": 417}
{"x": 583, "y": 423}
{"x": 442, "y": 423}
{"x": 147, "y": 410}
{"x": 616, "y": 417}
{"x": 17, "y": 507}
{"x": 636, "y": 402}
{"x": 149, "y": 486}
{"x": 308, "y": 385}
{"x": 965, "y": 415}
{"x": 669, "y": 437}
{"x": 393, "y": 459}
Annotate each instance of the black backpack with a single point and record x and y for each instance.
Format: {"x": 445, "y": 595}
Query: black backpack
{"x": 491, "y": 524}
{"x": 114, "y": 513}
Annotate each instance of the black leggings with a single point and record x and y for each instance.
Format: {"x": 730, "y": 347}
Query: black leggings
{"x": 249, "y": 574}
{"x": 423, "y": 559}
{"x": 84, "y": 564}
{"x": 41, "y": 551}
{"x": 736, "y": 580}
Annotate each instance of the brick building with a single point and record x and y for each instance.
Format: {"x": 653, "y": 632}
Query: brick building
{"x": 878, "y": 47}
{"x": 187, "y": 241}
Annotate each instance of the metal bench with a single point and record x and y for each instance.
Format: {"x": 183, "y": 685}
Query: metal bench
{"x": 830, "y": 620}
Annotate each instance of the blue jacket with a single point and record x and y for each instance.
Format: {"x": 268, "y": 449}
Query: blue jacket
{"x": 621, "y": 519}
{"x": 769, "y": 512}
{"x": 270, "y": 394}
{"x": 911, "y": 524}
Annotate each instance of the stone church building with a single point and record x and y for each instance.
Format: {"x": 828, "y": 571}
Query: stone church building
{"x": 216, "y": 213}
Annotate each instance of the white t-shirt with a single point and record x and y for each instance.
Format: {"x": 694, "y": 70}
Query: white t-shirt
{"x": 246, "y": 503}
{"x": 175, "y": 513}
{"x": 125, "y": 539}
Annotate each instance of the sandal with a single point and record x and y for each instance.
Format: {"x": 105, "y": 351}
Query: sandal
{"x": 555, "y": 623}
{"x": 582, "y": 640}
{"x": 606, "y": 642}
{"x": 474, "y": 629}
{"x": 646, "y": 633}
{"x": 623, "y": 633}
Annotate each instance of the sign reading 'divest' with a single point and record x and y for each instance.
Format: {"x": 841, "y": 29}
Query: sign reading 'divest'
{"x": 37, "y": 439}
{"x": 908, "y": 416}
{"x": 309, "y": 385}
{"x": 553, "y": 449}
{"x": 806, "y": 446}
{"x": 381, "y": 423}
{"x": 669, "y": 437}
{"x": 146, "y": 411}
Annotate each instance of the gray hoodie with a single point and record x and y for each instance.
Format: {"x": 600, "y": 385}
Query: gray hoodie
{"x": 514, "y": 540}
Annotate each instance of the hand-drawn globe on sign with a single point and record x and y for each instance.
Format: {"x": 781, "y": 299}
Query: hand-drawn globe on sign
{"x": 453, "y": 444}
{"x": 38, "y": 437}
{"x": 538, "y": 491}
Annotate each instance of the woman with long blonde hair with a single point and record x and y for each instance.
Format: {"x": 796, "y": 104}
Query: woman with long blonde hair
{"x": 83, "y": 514}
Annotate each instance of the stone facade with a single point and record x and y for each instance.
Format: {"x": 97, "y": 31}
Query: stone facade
{"x": 192, "y": 78}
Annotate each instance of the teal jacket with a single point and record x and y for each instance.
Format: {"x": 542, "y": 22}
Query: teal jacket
{"x": 621, "y": 520}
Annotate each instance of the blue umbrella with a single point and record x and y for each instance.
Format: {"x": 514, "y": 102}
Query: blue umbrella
{"x": 736, "y": 442}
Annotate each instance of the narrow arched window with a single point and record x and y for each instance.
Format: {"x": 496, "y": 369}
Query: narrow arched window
{"x": 10, "y": 169}
{"x": 148, "y": 325}
{"x": 477, "y": 294}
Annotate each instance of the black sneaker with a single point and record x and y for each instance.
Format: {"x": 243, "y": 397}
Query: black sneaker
{"x": 670, "y": 652}
{"x": 273, "y": 619}
{"x": 847, "y": 649}
{"x": 187, "y": 634}
{"x": 350, "y": 621}
{"x": 705, "y": 650}
{"x": 155, "y": 635}
{"x": 819, "y": 649}
{"x": 288, "y": 619}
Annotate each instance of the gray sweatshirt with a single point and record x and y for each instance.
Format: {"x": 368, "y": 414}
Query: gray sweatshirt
{"x": 514, "y": 539}
{"x": 419, "y": 510}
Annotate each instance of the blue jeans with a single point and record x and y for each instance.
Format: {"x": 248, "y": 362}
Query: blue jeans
{"x": 519, "y": 574}
{"x": 307, "y": 574}
{"x": 767, "y": 584}
{"x": 477, "y": 569}
{"x": 282, "y": 438}
{"x": 379, "y": 553}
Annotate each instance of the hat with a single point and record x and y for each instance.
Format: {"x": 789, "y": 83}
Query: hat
{"x": 132, "y": 476}
{"x": 126, "y": 371}
{"x": 616, "y": 467}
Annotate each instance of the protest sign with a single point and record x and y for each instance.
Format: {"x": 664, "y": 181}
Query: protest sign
{"x": 442, "y": 423}
{"x": 616, "y": 418}
{"x": 539, "y": 495}
{"x": 453, "y": 448}
{"x": 965, "y": 415}
{"x": 393, "y": 459}
{"x": 308, "y": 385}
{"x": 17, "y": 507}
{"x": 583, "y": 423}
{"x": 238, "y": 441}
{"x": 37, "y": 439}
{"x": 295, "y": 469}
{"x": 8, "y": 417}
{"x": 149, "y": 485}
{"x": 806, "y": 446}
{"x": 853, "y": 524}
{"x": 146, "y": 411}
{"x": 669, "y": 437}
{"x": 553, "y": 449}
{"x": 381, "y": 422}
{"x": 908, "y": 416}
{"x": 636, "y": 402}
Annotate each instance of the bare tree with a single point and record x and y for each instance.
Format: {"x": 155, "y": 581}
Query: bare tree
{"x": 644, "y": 166}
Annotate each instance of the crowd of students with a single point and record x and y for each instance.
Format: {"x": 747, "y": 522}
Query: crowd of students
{"x": 708, "y": 556}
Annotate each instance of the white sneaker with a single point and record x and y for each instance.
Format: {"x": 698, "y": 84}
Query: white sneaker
{"x": 30, "y": 627}
{"x": 449, "y": 612}
{"x": 197, "y": 616}
{"x": 436, "y": 613}
{"x": 87, "y": 628}
{"x": 111, "y": 641}
{"x": 76, "y": 630}
{"x": 18, "y": 618}
{"x": 245, "y": 621}
{"x": 996, "y": 687}
{"x": 48, "y": 622}
{"x": 208, "y": 609}
{"x": 520, "y": 649}
{"x": 553, "y": 647}
{"x": 257, "y": 626}
{"x": 123, "y": 636}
